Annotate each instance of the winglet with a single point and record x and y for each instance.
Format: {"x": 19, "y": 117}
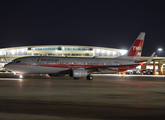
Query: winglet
{"x": 149, "y": 60}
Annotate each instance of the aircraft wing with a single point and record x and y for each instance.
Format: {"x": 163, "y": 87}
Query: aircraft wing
{"x": 111, "y": 66}
{"x": 117, "y": 66}
{"x": 103, "y": 68}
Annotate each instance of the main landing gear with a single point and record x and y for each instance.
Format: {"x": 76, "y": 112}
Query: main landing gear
{"x": 89, "y": 77}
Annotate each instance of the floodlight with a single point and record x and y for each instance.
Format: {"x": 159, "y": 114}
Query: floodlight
{"x": 159, "y": 49}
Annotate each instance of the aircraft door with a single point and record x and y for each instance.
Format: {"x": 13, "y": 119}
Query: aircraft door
{"x": 29, "y": 62}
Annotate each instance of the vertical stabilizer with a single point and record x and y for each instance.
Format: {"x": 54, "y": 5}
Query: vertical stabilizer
{"x": 135, "y": 51}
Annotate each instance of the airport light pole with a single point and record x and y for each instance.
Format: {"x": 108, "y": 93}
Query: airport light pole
{"x": 159, "y": 49}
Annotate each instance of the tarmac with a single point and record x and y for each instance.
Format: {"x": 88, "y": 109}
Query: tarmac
{"x": 119, "y": 97}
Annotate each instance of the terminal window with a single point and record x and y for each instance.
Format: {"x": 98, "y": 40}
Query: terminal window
{"x": 74, "y": 48}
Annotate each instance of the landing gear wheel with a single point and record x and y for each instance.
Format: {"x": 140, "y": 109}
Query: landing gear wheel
{"x": 76, "y": 78}
{"x": 89, "y": 77}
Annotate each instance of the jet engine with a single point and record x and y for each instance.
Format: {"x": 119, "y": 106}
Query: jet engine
{"x": 78, "y": 73}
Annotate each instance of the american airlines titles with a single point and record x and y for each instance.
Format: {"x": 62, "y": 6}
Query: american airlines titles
{"x": 53, "y": 60}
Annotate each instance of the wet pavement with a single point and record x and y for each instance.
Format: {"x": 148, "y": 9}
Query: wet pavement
{"x": 105, "y": 97}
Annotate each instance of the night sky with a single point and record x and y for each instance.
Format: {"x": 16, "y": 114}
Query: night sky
{"x": 104, "y": 23}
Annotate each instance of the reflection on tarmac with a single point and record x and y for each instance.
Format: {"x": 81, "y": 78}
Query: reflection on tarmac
{"x": 106, "y": 97}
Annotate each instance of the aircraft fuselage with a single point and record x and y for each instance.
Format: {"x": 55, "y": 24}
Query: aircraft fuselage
{"x": 52, "y": 65}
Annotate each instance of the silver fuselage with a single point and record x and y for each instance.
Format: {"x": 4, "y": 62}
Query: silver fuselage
{"x": 53, "y": 65}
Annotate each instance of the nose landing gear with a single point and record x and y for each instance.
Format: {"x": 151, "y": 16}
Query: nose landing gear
{"x": 20, "y": 76}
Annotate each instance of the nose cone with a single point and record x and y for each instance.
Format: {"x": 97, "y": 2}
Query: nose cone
{"x": 8, "y": 66}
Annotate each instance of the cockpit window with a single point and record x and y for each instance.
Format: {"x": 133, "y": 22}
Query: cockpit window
{"x": 14, "y": 61}
{"x": 17, "y": 61}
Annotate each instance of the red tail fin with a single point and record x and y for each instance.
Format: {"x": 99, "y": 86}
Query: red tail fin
{"x": 136, "y": 48}
{"x": 134, "y": 52}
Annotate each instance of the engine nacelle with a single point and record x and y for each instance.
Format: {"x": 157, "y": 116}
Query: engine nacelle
{"x": 77, "y": 73}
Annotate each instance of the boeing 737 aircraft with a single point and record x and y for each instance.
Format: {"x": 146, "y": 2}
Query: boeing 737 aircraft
{"x": 78, "y": 67}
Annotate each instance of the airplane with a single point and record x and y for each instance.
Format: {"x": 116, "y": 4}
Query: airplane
{"x": 78, "y": 67}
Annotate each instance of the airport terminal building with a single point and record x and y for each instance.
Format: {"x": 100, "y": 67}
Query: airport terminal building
{"x": 75, "y": 51}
